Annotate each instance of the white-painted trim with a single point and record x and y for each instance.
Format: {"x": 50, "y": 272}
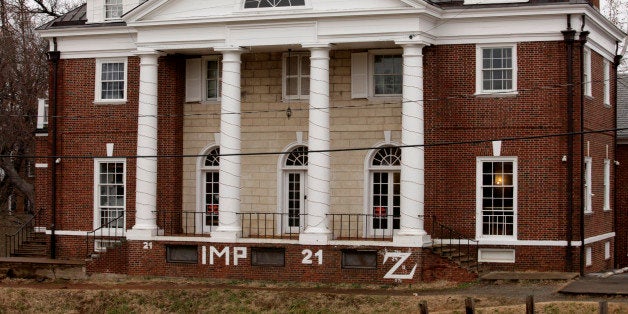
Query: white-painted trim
{"x": 204, "y": 60}
{"x": 599, "y": 238}
{"x": 284, "y": 73}
{"x": 607, "y": 82}
{"x": 41, "y": 165}
{"x": 588, "y": 194}
{"x": 95, "y": 54}
{"x": 96, "y": 201}
{"x": 98, "y": 85}
{"x": 496, "y": 256}
{"x": 588, "y": 256}
{"x": 200, "y": 187}
{"x": 41, "y": 134}
{"x": 468, "y": 2}
{"x": 590, "y": 240}
{"x": 607, "y": 250}
{"x": 479, "y": 89}
{"x": 281, "y": 183}
{"x": 478, "y": 188}
{"x": 588, "y": 82}
{"x": 607, "y": 185}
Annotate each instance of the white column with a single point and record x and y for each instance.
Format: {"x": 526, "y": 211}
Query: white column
{"x": 319, "y": 164}
{"x": 229, "y": 228}
{"x": 412, "y": 231}
{"x": 146, "y": 171}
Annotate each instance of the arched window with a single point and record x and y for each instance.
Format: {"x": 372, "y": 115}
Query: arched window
{"x": 294, "y": 188}
{"x": 385, "y": 190}
{"x": 209, "y": 172}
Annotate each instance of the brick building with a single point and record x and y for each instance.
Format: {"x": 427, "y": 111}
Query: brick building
{"x": 321, "y": 140}
{"x": 621, "y": 253}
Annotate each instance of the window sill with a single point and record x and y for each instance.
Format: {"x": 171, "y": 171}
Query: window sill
{"x": 607, "y": 210}
{"x": 504, "y": 94}
{"x": 110, "y": 102}
{"x": 588, "y": 213}
{"x": 589, "y": 97}
{"x": 384, "y": 99}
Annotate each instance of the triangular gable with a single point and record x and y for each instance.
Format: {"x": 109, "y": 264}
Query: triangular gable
{"x": 180, "y": 10}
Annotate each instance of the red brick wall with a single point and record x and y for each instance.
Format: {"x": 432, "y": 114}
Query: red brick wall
{"x": 622, "y": 207}
{"x": 429, "y": 266}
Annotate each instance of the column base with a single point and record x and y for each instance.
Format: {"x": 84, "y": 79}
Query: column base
{"x": 314, "y": 238}
{"x": 412, "y": 239}
{"x": 141, "y": 234}
{"x": 226, "y": 235}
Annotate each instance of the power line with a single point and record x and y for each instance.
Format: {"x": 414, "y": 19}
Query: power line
{"x": 470, "y": 142}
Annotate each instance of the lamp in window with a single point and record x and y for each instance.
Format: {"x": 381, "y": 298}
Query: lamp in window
{"x": 499, "y": 180}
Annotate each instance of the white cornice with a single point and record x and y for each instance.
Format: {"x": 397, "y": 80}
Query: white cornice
{"x": 87, "y": 31}
{"x": 274, "y": 16}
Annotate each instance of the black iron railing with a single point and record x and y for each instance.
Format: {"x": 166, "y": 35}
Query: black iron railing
{"x": 14, "y": 241}
{"x": 184, "y": 223}
{"x": 363, "y": 226}
{"x": 107, "y": 236}
{"x": 271, "y": 225}
{"x": 450, "y": 243}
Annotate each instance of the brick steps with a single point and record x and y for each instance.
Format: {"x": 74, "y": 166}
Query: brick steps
{"x": 457, "y": 256}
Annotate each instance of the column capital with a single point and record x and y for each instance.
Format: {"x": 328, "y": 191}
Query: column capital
{"x": 141, "y": 51}
{"x": 317, "y": 46}
{"x": 231, "y": 49}
{"x": 411, "y": 43}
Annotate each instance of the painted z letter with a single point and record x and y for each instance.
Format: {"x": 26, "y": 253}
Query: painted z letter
{"x": 402, "y": 258}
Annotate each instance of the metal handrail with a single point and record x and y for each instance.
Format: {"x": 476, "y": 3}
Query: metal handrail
{"x": 450, "y": 238}
{"x": 13, "y": 241}
{"x": 113, "y": 237}
{"x": 271, "y": 225}
{"x": 363, "y": 226}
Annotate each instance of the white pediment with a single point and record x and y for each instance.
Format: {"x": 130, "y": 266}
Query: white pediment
{"x": 188, "y": 10}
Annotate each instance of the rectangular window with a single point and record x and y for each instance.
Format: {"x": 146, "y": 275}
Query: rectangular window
{"x": 296, "y": 76}
{"x": 387, "y": 75}
{"x": 607, "y": 83}
{"x": 607, "y": 185}
{"x": 42, "y": 113}
{"x": 496, "y": 69}
{"x": 497, "y": 197}
{"x": 588, "y": 208}
{"x": 359, "y": 259}
{"x": 607, "y": 250}
{"x": 113, "y": 9}
{"x": 212, "y": 78}
{"x": 186, "y": 254}
{"x": 111, "y": 80}
{"x": 264, "y": 256}
{"x": 586, "y": 78}
{"x": 110, "y": 193}
{"x": 588, "y": 256}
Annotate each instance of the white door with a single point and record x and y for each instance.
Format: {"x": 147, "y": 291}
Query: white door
{"x": 385, "y": 203}
{"x": 295, "y": 188}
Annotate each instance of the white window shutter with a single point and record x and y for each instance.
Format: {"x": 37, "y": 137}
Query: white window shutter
{"x": 359, "y": 75}
{"x": 193, "y": 75}
{"x": 40, "y": 113}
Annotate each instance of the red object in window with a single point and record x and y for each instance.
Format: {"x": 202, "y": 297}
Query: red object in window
{"x": 379, "y": 211}
{"x": 212, "y": 209}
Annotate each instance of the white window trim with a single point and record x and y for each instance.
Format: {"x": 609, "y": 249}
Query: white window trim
{"x": 200, "y": 189}
{"x": 371, "y": 71}
{"x": 607, "y": 250}
{"x": 479, "y": 90}
{"x": 588, "y": 90}
{"x": 468, "y": 2}
{"x": 607, "y": 83}
{"x": 478, "y": 201}
{"x": 284, "y": 73}
{"x": 110, "y": 19}
{"x": 42, "y": 116}
{"x": 607, "y": 185}
{"x": 96, "y": 211}
{"x": 98, "y": 87}
{"x": 204, "y": 60}
{"x": 589, "y": 256}
{"x": 282, "y": 181}
{"x": 368, "y": 180}
{"x": 588, "y": 189}
{"x": 240, "y": 7}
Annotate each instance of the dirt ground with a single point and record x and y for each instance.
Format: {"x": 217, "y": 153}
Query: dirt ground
{"x": 170, "y": 295}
